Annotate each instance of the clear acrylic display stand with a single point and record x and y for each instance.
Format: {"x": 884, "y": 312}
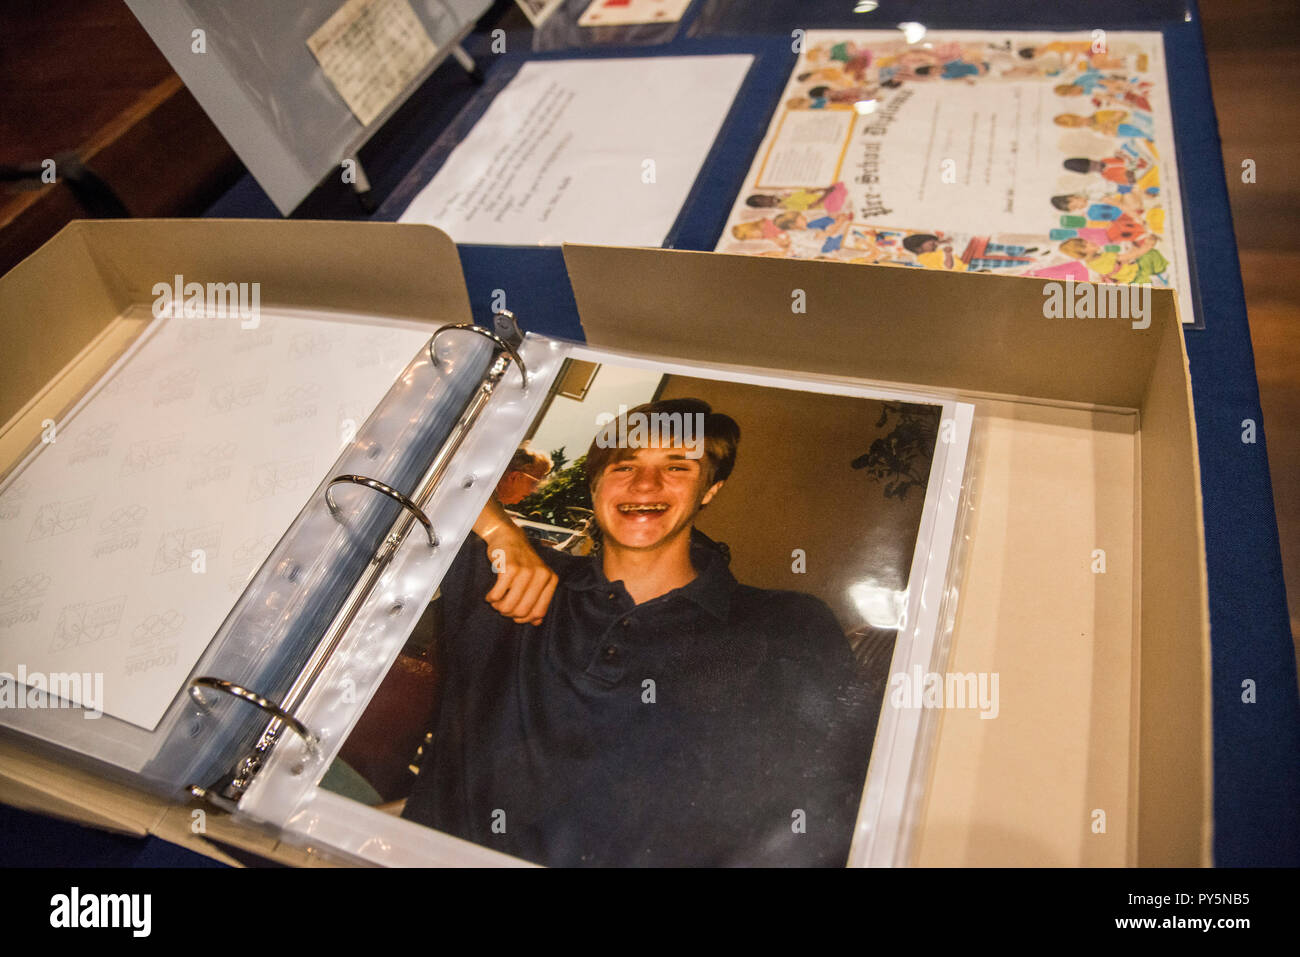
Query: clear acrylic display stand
{"x": 249, "y": 66}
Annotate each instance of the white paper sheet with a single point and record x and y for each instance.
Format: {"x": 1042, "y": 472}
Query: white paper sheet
{"x": 592, "y": 151}
{"x": 371, "y": 50}
{"x": 126, "y": 541}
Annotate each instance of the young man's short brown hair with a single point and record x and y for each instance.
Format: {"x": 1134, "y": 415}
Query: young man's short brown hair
{"x": 721, "y": 435}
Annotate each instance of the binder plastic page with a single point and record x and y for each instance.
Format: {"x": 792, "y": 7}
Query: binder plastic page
{"x": 285, "y": 790}
{"x": 823, "y": 575}
{"x": 127, "y": 536}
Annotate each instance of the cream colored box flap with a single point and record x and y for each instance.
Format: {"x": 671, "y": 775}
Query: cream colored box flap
{"x": 1088, "y": 443}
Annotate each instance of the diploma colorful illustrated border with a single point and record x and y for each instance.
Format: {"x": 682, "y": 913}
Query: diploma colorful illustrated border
{"x": 1028, "y": 154}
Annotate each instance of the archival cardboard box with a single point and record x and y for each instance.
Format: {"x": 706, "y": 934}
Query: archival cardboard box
{"x": 1084, "y": 452}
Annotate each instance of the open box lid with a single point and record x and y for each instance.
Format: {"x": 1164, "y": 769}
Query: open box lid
{"x": 987, "y": 336}
{"x": 63, "y": 309}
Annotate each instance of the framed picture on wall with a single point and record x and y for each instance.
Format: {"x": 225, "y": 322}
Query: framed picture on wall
{"x": 576, "y": 378}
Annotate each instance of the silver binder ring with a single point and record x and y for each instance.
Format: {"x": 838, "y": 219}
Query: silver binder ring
{"x": 270, "y": 707}
{"x": 500, "y": 343}
{"x": 378, "y": 486}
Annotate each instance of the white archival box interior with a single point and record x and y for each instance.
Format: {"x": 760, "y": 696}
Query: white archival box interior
{"x": 1054, "y": 487}
{"x": 1058, "y": 621}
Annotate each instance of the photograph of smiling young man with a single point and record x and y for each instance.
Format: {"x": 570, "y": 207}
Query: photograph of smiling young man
{"x": 639, "y": 705}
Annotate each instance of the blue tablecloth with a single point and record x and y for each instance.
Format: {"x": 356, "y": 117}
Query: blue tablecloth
{"x": 1256, "y": 772}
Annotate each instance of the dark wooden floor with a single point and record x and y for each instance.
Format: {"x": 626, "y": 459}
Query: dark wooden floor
{"x": 68, "y": 68}
{"x": 1253, "y": 47}
{"x": 83, "y": 77}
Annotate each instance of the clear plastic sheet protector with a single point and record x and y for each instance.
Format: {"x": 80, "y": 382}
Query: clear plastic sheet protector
{"x": 286, "y": 792}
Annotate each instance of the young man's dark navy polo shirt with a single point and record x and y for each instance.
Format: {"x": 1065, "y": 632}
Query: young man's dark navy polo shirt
{"x": 717, "y": 724}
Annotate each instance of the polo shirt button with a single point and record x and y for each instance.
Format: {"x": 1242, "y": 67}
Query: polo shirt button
{"x": 610, "y": 596}
{"x": 625, "y": 623}
{"x": 611, "y": 652}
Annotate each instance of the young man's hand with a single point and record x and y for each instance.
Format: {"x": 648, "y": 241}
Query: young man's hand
{"x": 525, "y": 584}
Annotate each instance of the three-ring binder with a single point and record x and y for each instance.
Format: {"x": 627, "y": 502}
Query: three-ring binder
{"x": 505, "y": 342}
{"x": 234, "y": 690}
{"x": 416, "y": 512}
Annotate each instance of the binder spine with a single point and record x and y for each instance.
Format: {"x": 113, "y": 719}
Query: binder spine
{"x": 371, "y": 536}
